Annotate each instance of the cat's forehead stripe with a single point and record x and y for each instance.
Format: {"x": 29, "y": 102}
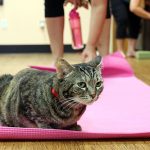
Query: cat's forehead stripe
{"x": 89, "y": 71}
{"x": 82, "y": 69}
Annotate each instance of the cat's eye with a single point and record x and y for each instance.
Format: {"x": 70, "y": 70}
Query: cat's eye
{"x": 98, "y": 84}
{"x": 81, "y": 84}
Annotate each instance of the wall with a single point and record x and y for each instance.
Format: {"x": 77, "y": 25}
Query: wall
{"x": 20, "y": 23}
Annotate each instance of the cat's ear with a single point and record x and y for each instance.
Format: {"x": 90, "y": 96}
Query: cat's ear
{"x": 63, "y": 68}
{"x": 97, "y": 62}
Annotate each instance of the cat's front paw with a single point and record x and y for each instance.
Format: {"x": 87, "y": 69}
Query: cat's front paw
{"x": 74, "y": 127}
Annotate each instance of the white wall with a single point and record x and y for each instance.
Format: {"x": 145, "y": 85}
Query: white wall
{"x": 20, "y": 19}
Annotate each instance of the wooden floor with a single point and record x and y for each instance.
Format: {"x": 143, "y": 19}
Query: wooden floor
{"x": 12, "y": 63}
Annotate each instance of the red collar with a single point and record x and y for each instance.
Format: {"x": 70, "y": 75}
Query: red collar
{"x": 54, "y": 92}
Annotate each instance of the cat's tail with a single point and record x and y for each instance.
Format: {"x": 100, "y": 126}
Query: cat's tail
{"x": 4, "y": 81}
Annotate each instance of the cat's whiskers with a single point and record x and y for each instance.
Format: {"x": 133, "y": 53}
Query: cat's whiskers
{"x": 60, "y": 104}
{"x": 73, "y": 105}
{"x": 65, "y": 102}
{"x": 69, "y": 104}
{"x": 79, "y": 100}
{"x": 76, "y": 103}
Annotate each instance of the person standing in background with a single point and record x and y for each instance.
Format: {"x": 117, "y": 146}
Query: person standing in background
{"x": 137, "y": 7}
{"x": 54, "y": 14}
{"x": 128, "y": 25}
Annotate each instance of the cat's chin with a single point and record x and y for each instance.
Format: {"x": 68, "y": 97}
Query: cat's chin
{"x": 79, "y": 106}
{"x": 86, "y": 103}
{"x": 90, "y": 101}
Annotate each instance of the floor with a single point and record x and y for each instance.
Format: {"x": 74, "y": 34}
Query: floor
{"x": 12, "y": 63}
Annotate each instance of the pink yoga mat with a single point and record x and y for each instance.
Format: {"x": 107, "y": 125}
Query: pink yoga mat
{"x": 122, "y": 110}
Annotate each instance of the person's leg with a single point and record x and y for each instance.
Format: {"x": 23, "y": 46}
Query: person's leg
{"x": 131, "y": 47}
{"x": 98, "y": 14}
{"x": 54, "y": 14}
{"x": 120, "y": 44}
{"x": 103, "y": 43}
{"x": 134, "y": 29}
{"x": 121, "y": 17}
{"x": 104, "y": 39}
{"x": 55, "y": 27}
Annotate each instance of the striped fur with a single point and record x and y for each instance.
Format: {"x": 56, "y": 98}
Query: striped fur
{"x": 26, "y": 99}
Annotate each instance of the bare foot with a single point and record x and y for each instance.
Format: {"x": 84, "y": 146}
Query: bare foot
{"x": 122, "y": 53}
{"x": 52, "y": 65}
{"x": 131, "y": 53}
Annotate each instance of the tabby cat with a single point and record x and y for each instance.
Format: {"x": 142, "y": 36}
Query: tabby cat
{"x": 35, "y": 98}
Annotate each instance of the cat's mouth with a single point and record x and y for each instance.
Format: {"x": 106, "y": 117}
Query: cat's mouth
{"x": 89, "y": 102}
{"x": 84, "y": 101}
{"x": 77, "y": 102}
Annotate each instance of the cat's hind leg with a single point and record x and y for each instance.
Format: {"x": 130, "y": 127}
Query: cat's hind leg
{"x": 4, "y": 81}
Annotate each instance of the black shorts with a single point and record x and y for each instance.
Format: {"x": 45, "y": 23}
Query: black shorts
{"x": 54, "y": 8}
{"x": 108, "y": 14}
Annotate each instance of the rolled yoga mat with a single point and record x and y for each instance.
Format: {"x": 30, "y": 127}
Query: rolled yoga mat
{"x": 122, "y": 111}
{"x": 143, "y": 54}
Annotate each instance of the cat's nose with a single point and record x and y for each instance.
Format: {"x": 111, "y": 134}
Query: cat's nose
{"x": 93, "y": 95}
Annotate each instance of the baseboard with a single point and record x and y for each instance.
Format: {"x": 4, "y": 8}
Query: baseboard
{"x": 32, "y": 49}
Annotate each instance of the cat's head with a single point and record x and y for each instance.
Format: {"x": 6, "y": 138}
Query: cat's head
{"x": 81, "y": 83}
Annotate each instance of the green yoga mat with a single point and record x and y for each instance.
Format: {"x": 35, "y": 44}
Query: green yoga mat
{"x": 143, "y": 54}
